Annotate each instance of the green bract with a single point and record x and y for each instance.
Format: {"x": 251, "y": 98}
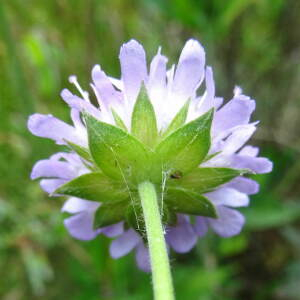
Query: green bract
{"x": 185, "y": 148}
{"x": 94, "y": 186}
{"x": 178, "y": 120}
{"x": 120, "y": 160}
{"x": 143, "y": 120}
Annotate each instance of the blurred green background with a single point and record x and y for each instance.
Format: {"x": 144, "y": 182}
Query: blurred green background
{"x": 252, "y": 43}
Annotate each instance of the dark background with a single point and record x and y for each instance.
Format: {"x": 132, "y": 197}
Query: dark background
{"x": 255, "y": 44}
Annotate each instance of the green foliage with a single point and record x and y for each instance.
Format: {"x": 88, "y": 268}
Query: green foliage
{"x": 178, "y": 120}
{"x": 203, "y": 180}
{"x": 94, "y": 186}
{"x": 184, "y": 149}
{"x": 117, "y": 153}
{"x": 186, "y": 201}
{"x": 143, "y": 121}
{"x": 119, "y": 122}
{"x": 110, "y": 213}
{"x": 126, "y": 162}
{"x": 81, "y": 151}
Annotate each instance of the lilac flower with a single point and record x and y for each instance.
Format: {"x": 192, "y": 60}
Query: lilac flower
{"x": 168, "y": 91}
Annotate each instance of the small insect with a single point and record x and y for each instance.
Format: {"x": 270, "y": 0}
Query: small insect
{"x": 176, "y": 175}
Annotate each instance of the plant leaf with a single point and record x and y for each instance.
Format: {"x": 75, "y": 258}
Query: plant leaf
{"x": 119, "y": 122}
{"x": 202, "y": 180}
{"x": 188, "y": 202}
{"x": 185, "y": 148}
{"x": 119, "y": 154}
{"x": 210, "y": 156}
{"x": 94, "y": 186}
{"x": 110, "y": 213}
{"x": 81, "y": 151}
{"x": 178, "y": 120}
{"x": 143, "y": 120}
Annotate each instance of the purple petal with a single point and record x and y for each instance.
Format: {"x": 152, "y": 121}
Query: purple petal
{"x": 190, "y": 70}
{"x": 52, "y": 168}
{"x": 80, "y": 104}
{"x": 229, "y": 197}
{"x": 76, "y": 205}
{"x": 108, "y": 95}
{"x": 157, "y": 77}
{"x": 133, "y": 68}
{"x": 238, "y": 138}
{"x": 80, "y": 226}
{"x": 142, "y": 257}
{"x": 113, "y": 230}
{"x": 50, "y": 185}
{"x": 124, "y": 243}
{"x": 229, "y": 222}
{"x": 256, "y": 164}
{"x": 170, "y": 77}
{"x": 182, "y": 237}
{"x": 117, "y": 83}
{"x": 207, "y": 101}
{"x": 202, "y": 104}
{"x": 200, "y": 226}
{"x": 50, "y": 127}
{"x": 72, "y": 158}
{"x": 249, "y": 151}
{"x": 236, "y": 112}
{"x": 218, "y": 102}
{"x": 244, "y": 185}
{"x": 76, "y": 118}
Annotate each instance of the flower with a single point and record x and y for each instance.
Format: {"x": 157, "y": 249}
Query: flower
{"x": 216, "y": 178}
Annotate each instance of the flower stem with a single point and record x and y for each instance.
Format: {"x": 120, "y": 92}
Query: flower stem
{"x": 161, "y": 273}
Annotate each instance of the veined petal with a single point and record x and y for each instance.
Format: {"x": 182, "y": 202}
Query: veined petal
{"x": 133, "y": 68}
{"x": 50, "y": 185}
{"x": 124, "y": 243}
{"x": 117, "y": 83}
{"x": 108, "y": 95}
{"x": 249, "y": 151}
{"x": 157, "y": 77}
{"x": 218, "y": 102}
{"x": 71, "y": 158}
{"x": 76, "y": 119}
{"x": 50, "y": 127}
{"x": 244, "y": 185}
{"x": 157, "y": 86}
{"x": 75, "y": 205}
{"x": 142, "y": 257}
{"x": 190, "y": 70}
{"x": 207, "y": 101}
{"x": 53, "y": 168}
{"x": 80, "y": 104}
{"x": 237, "y": 139}
{"x": 80, "y": 226}
{"x": 202, "y": 104}
{"x": 258, "y": 165}
{"x": 236, "y": 112}
{"x": 181, "y": 237}
{"x": 228, "y": 197}
{"x": 229, "y": 222}
{"x": 201, "y": 226}
{"x": 113, "y": 230}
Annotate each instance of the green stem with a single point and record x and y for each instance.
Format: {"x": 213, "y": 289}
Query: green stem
{"x": 161, "y": 273}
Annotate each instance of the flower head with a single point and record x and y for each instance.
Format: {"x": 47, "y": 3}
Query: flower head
{"x": 152, "y": 124}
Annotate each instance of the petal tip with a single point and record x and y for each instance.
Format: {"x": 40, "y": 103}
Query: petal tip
{"x": 35, "y": 121}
